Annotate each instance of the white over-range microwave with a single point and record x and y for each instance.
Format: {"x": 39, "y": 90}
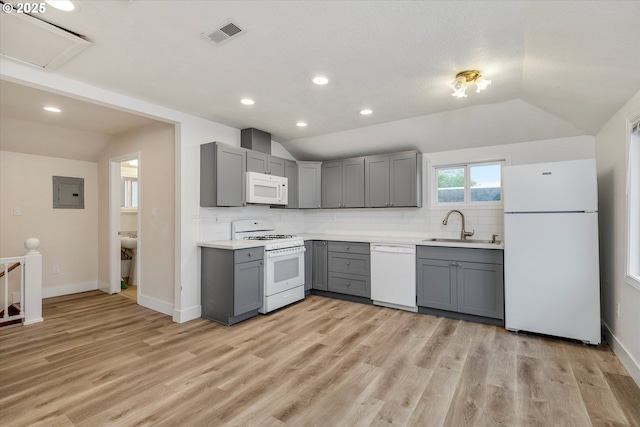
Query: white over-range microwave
{"x": 266, "y": 189}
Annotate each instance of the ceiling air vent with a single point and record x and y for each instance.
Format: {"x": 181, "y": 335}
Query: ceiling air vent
{"x": 224, "y": 32}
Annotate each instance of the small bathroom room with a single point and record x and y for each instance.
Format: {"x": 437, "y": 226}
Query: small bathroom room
{"x": 128, "y": 227}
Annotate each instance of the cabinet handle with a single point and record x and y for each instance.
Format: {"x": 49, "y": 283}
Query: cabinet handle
{"x": 348, "y": 262}
{"x": 348, "y": 284}
{"x": 318, "y": 205}
{"x": 347, "y": 247}
{"x": 249, "y": 254}
{"x": 391, "y": 204}
{"x": 453, "y": 264}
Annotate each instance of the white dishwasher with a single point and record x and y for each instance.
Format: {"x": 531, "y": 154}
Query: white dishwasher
{"x": 393, "y": 276}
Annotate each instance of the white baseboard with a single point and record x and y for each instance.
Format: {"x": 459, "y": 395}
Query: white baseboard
{"x": 155, "y": 304}
{"x": 627, "y": 360}
{"x": 104, "y": 287}
{"x": 182, "y": 316}
{"x": 31, "y": 322}
{"x": 71, "y": 288}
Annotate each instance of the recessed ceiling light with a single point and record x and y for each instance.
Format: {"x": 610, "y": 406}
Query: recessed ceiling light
{"x": 247, "y": 101}
{"x": 365, "y": 112}
{"x": 320, "y": 80}
{"x": 52, "y": 109}
{"x": 301, "y": 124}
{"x": 64, "y": 5}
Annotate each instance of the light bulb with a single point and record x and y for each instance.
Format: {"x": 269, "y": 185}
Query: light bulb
{"x": 459, "y": 86}
{"x": 481, "y": 83}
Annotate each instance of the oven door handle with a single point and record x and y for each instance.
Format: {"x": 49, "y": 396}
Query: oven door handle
{"x": 285, "y": 252}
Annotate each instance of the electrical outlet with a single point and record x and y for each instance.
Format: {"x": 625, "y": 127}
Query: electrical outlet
{"x": 618, "y": 309}
{"x": 56, "y": 269}
{"x": 17, "y": 211}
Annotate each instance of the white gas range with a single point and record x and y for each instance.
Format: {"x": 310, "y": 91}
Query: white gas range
{"x": 283, "y": 265}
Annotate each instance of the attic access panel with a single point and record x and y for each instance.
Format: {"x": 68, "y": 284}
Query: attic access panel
{"x": 27, "y": 39}
{"x": 68, "y": 192}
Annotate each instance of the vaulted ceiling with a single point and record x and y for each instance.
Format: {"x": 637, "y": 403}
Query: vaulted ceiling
{"x": 572, "y": 62}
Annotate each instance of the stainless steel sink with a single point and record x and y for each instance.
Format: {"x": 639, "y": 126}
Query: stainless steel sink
{"x": 469, "y": 241}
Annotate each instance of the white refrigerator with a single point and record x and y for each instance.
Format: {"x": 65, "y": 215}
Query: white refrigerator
{"x": 551, "y": 262}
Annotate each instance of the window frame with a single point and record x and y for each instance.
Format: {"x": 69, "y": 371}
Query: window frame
{"x": 126, "y": 200}
{"x": 467, "y": 203}
{"x": 632, "y": 211}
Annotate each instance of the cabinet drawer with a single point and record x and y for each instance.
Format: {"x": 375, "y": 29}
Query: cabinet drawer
{"x": 349, "y": 263}
{"x": 351, "y": 284}
{"x": 490, "y": 256}
{"x": 349, "y": 247}
{"x": 249, "y": 254}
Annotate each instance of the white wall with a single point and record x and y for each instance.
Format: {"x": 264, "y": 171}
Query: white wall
{"x": 68, "y": 237}
{"x": 611, "y": 155}
{"x": 156, "y": 179}
{"x": 190, "y": 132}
{"x": 427, "y": 221}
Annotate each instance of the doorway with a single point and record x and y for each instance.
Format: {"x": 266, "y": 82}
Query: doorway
{"x": 125, "y": 243}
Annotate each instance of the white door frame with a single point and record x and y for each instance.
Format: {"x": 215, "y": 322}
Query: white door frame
{"x": 114, "y": 222}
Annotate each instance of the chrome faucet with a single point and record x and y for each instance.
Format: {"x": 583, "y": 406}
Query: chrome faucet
{"x": 463, "y": 234}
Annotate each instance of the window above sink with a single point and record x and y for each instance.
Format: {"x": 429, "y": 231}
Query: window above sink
{"x": 468, "y": 184}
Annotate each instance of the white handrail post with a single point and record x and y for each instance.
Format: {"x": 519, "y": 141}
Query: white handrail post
{"x": 32, "y": 305}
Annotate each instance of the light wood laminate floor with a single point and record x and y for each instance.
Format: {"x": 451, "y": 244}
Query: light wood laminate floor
{"x": 100, "y": 359}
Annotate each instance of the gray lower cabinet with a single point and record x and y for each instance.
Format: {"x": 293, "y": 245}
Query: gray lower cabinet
{"x": 308, "y": 265}
{"x": 393, "y": 180}
{"x": 469, "y": 281}
{"x": 319, "y": 265}
{"x": 222, "y": 175}
{"x": 231, "y": 284}
{"x": 309, "y": 185}
{"x": 348, "y": 268}
{"x": 343, "y": 183}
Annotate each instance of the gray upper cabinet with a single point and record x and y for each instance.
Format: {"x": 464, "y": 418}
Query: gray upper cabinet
{"x": 332, "y": 184}
{"x": 353, "y": 183}
{"x": 309, "y": 185}
{"x": 376, "y": 177}
{"x": 265, "y": 163}
{"x": 291, "y": 172}
{"x": 222, "y": 175}
{"x": 393, "y": 180}
{"x": 343, "y": 183}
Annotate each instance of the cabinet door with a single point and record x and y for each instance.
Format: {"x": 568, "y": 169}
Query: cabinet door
{"x": 291, "y": 172}
{"x": 376, "y": 181}
{"x": 404, "y": 178}
{"x": 309, "y": 185}
{"x": 276, "y": 166}
{"x": 308, "y": 265}
{"x": 351, "y": 284}
{"x": 436, "y": 284}
{"x": 481, "y": 289}
{"x": 257, "y": 161}
{"x": 319, "y": 262}
{"x": 353, "y": 183}
{"x": 231, "y": 168}
{"x": 247, "y": 287}
{"x": 332, "y": 184}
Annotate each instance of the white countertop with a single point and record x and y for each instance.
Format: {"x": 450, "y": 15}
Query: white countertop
{"x": 243, "y": 244}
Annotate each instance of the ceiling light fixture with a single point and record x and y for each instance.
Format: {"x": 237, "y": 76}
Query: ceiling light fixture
{"x": 320, "y": 80}
{"x": 365, "y": 112}
{"x": 52, "y": 109}
{"x": 64, "y": 5}
{"x": 459, "y": 85}
{"x": 247, "y": 101}
{"x": 301, "y": 124}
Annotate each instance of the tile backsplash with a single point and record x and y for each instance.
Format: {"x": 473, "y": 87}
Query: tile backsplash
{"x": 215, "y": 223}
